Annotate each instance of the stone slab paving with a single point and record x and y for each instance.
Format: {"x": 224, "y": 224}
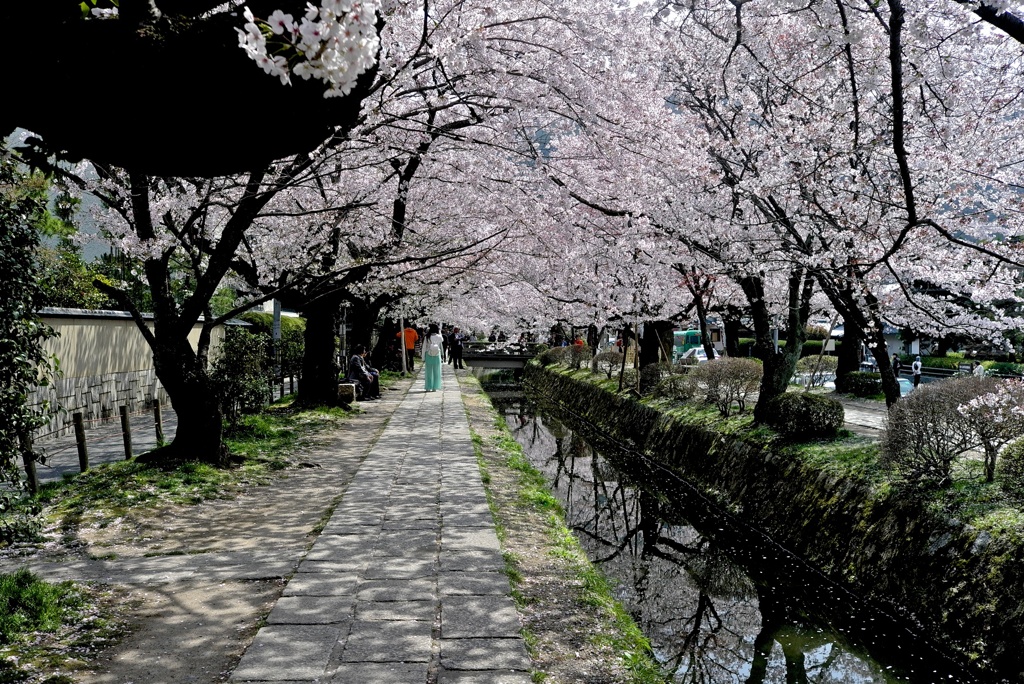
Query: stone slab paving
{"x": 405, "y": 583}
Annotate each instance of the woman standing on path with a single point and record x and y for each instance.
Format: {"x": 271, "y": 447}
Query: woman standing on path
{"x": 432, "y": 358}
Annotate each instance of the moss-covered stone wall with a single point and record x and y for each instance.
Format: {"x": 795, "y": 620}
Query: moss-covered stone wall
{"x": 964, "y": 586}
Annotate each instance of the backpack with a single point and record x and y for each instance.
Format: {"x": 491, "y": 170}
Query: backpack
{"x": 433, "y": 349}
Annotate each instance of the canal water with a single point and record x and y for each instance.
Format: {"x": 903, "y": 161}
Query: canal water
{"x": 719, "y": 602}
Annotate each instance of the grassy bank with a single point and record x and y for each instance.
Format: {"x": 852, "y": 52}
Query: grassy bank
{"x": 572, "y": 622}
{"x": 949, "y": 556}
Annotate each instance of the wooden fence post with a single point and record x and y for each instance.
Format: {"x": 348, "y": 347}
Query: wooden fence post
{"x": 158, "y": 423}
{"x": 29, "y": 457}
{"x": 126, "y": 432}
{"x": 83, "y": 449}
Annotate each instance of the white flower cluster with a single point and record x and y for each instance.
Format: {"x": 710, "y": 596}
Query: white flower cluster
{"x": 334, "y": 43}
{"x": 1000, "y": 406}
{"x": 101, "y": 13}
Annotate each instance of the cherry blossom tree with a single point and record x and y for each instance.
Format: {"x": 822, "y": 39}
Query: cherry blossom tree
{"x": 168, "y": 91}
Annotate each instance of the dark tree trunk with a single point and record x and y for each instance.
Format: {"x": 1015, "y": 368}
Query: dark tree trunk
{"x": 860, "y": 314}
{"x": 778, "y": 366}
{"x": 731, "y": 326}
{"x": 320, "y": 369}
{"x": 702, "y": 323}
{"x": 199, "y": 435}
{"x": 849, "y": 351}
{"x": 653, "y": 345}
{"x": 880, "y": 351}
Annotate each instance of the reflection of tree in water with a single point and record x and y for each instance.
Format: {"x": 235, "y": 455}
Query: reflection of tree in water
{"x": 708, "y": 619}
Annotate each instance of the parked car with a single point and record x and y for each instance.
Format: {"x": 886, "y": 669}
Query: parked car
{"x": 699, "y": 354}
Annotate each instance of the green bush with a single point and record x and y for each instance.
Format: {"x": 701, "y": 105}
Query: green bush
{"x": 1011, "y": 469}
{"x": 947, "y": 362}
{"x": 1003, "y": 368}
{"x": 805, "y": 416}
{"x": 675, "y": 386}
{"x": 293, "y": 341}
{"x": 859, "y": 384}
{"x": 650, "y": 376}
{"x": 240, "y": 375}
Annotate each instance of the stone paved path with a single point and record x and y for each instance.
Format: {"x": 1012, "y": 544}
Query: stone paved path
{"x": 405, "y": 583}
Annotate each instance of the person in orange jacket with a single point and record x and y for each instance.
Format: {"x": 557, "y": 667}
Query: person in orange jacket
{"x": 410, "y": 345}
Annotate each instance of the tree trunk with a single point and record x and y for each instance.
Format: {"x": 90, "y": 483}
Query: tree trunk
{"x": 778, "y": 366}
{"x": 880, "y": 351}
{"x": 653, "y": 341}
{"x": 199, "y": 435}
{"x": 702, "y": 322}
{"x": 849, "y": 351}
{"x": 860, "y": 314}
{"x": 731, "y": 327}
{"x": 320, "y": 369}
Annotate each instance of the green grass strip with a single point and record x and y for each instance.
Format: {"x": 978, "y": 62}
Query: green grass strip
{"x": 626, "y": 640}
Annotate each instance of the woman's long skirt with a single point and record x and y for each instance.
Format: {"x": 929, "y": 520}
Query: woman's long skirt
{"x": 432, "y": 371}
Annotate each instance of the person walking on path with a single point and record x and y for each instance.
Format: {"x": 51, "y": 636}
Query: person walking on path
{"x": 896, "y": 365}
{"x": 432, "y": 358}
{"x": 410, "y": 346}
{"x": 455, "y": 348}
{"x": 916, "y": 369}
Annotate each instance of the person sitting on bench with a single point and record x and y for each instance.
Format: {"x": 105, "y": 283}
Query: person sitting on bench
{"x": 365, "y": 376}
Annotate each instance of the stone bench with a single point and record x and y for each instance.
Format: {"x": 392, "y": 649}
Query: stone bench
{"x": 347, "y": 392}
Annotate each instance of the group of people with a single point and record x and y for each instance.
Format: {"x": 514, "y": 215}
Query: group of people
{"x": 915, "y": 368}
{"x": 437, "y": 346}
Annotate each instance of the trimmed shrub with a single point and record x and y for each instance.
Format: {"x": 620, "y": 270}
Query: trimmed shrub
{"x": 675, "y": 386}
{"x": 650, "y": 376}
{"x": 724, "y": 381}
{"x": 607, "y": 362}
{"x": 578, "y": 356}
{"x": 805, "y": 416}
{"x": 859, "y": 384}
{"x": 926, "y": 431}
{"x": 552, "y": 356}
{"x": 573, "y": 356}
